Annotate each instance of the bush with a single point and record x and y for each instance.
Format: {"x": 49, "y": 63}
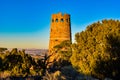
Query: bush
{"x": 96, "y": 51}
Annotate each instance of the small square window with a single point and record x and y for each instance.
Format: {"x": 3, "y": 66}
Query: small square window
{"x": 67, "y": 20}
{"x": 62, "y": 20}
{"x": 52, "y": 20}
{"x": 56, "y": 40}
{"x": 56, "y": 20}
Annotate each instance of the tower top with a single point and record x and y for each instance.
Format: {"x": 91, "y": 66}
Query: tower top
{"x": 60, "y": 14}
{"x": 59, "y": 17}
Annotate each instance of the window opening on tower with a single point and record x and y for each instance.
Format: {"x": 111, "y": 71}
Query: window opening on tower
{"x": 52, "y": 20}
{"x": 67, "y": 20}
{"x": 56, "y": 40}
{"x": 56, "y": 20}
{"x": 62, "y": 20}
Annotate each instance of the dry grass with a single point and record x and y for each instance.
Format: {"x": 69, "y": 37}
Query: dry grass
{"x": 54, "y": 76}
{"x": 4, "y": 74}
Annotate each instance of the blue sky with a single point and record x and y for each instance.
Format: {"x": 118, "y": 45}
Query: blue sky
{"x": 26, "y": 23}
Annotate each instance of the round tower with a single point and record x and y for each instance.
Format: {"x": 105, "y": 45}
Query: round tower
{"x": 60, "y": 29}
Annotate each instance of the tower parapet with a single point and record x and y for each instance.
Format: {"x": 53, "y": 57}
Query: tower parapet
{"x": 60, "y": 29}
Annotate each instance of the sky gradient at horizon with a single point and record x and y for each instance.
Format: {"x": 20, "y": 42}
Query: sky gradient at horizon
{"x": 26, "y": 23}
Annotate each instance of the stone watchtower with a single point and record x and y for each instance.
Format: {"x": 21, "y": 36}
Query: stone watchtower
{"x": 60, "y": 29}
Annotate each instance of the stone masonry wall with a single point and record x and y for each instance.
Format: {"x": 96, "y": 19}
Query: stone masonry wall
{"x": 60, "y": 29}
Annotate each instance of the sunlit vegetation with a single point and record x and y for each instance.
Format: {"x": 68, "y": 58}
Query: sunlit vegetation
{"x": 2, "y": 49}
{"x": 96, "y": 51}
{"x": 17, "y": 63}
{"x": 64, "y": 52}
{"x": 95, "y": 54}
